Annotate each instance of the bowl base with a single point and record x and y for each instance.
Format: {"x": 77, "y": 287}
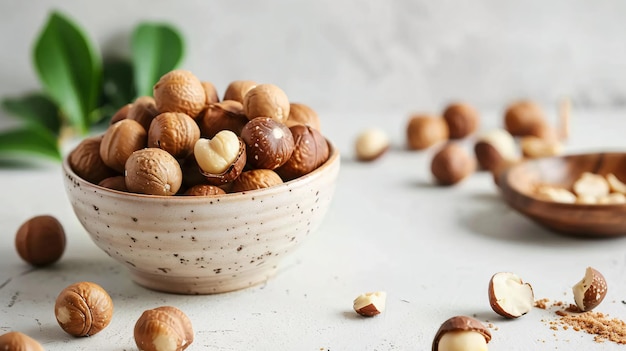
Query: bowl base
{"x": 201, "y": 285}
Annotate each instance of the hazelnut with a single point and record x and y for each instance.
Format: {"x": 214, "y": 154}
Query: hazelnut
{"x": 269, "y": 144}
{"x": 494, "y": 148}
{"x": 590, "y": 184}
{"x": 535, "y": 147}
{"x": 119, "y": 141}
{"x": 115, "y": 183}
{"x": 191, "y": 172}
{"x": 590, "y": 291}
{"x": 222, "y": 158}
{"x": 266, "y": 100}
{"x": 311, "y": 151}
{"x": 16, "y": 341}
{"x": 225, "y": 115}
{"x": 462, "y": 120}
{"x": 302, "y": 114}
{"x": 121, "y": 114}
{"x": 180, "y": 91}
{"x": 153, "y": 171}
{"x": 371, "y": 144}
{"x": 175, "y": 133}
{"x": 424, "y": 131}
{"x": 255, "y": 179}
{"x": 204, "y": 190}
{"x": 452, "y": 164}
{"x": 238, "y": 89}
{"x": 370, "y": 304}
{"x": 163, "y": 329}
{"x": 83, "y": 309}
{"x": 86, "y": 162}
{"x": 211, "y": 92}
{"x": 143, "y": 110}
{"x": 523, "y": 118}
{"x": 40, "y": 240}
{"x": 509, "y": 296}
{"x": 461, "y": 333}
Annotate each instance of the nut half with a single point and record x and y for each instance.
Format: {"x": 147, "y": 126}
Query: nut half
{"x": 590, "y": 291}
{"x": 509, "y": 296}
{"x": 461, "y": 333}
{"x": 222, "y": 158}
{"x": 370, "y": 304}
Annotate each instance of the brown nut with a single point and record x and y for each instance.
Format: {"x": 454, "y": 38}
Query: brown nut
{"x": 83, "y": 309}
{"x": 143, "y": 110}
{"x": 462, "y": 120}
{"x": 452, "y": 164}
{"x": 269, "y": 144}
{"x": 211, "y": 93}
{"x": 311, "y": 151}
{"x": 153, "y": 171}
{"x": 370, "y": 304}
{"x": 266, "y": 100}
{"x": 86, "y": 162}
{"x": 255, "y": 179}
{"x": 121, "y": 114}
{"x": 163, "y": 329}
{"x": 424, "y": 131}
{"x": 509, "y": 296}
{"x": 302, "y": 114}
{"x": 16, "y": 341}
{"x": 461, "y": 333}
{"x": 225, "y": 115}
{"x": 494, "y": 148}
{"x": 371, "y": 144}
{"x": 238, "y": 89}
{"x": 180, "y": 91}
{"x": 523, "y": 118}
{"x": 40, "y": 240}
{"x": 120, "y": 141}
{"x": 222, "y": 158}
{"x": 175, "y": 133}
{"x": 204, "y": 190}
{"x": 590, "y": 291}
{"x": 115, "y": 183}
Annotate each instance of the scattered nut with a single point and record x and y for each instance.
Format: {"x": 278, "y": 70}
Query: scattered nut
{"x": 164, "y": 328}
{"x": 86, "y": 162}
{"x": 222, "y": 158}
{"x": 121, "y": 114}
{"x": 16, "y": 341}
{"x": 256, "y": 179}
{"x": 302, "y": 114}
{"x": 462, "y": 120}
{"x": 143, "y": 110}
{"x": 495, "y": 147}
{"x": 153, "y": 171}
{"x": 615, "y": 184}
{"x": 424, "y": 131}
{"x": 266, "y": 100}
{"x": 120, "y": 141}
{"x": 370, "y": 304}
{"x": 452, "y": 164}
{"x": 371, "y": 144}
{"x": 116, "y": 183}
{"x": 269, "y": 144}
{"x": 238, "y": 89}
{"x": 535, "y": 147}
{"x": 590, "y": 291}
{"x": 180, "y": 91}
{"x": 225, "y": 115}
{"x": 211, "y": 93}
{"x": 204, "y": 190}
{"x": 461, "y": 333}
{"x": 40, "y": 240}
{"x": 175, "y": 133}
{"x": 509, "y": 296}
{"x": 310, "y": 151}
{"x": 590, "y": 184}
{"x": 556, "y": 194}
{"x": 83, "y": 309}
{"x": 524, "y": 118}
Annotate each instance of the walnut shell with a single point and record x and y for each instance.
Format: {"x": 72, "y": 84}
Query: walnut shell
{"x": 16, "y": 341}
{"x": 165, "y": 325}
{"x": 175, "y": 133}
{"x": 120, "y": 140}
{"x": 462, "y": 120}
{"x": 225, "y": 115}
{"x": 311, "y": 151}
{"x": 238, "y": 89}
{"x": 269, "y": 144}
{"x": 143, "y": 110}
{"x": 86, "y": 162}
{"x": 153, "y": 171}
{"x": 302, "y": 114}
{"x": 180, "y": 91}
{"x": 424, "y": 131}
{"x": 40, "y": 240}
{"x": 267, "y": 100}
{"x": 255, "y": 179}
{"x": 83, "y": 309}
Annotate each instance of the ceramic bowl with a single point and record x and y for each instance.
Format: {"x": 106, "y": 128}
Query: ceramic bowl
{"x": 203, "y": 245}
{"x": 518, "y": 184}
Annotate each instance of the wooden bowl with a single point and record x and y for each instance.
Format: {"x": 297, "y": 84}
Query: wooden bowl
{"x": 519, "y": 182}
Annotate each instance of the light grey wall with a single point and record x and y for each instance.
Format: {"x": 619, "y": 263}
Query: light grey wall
{"x": 364, "y": 56}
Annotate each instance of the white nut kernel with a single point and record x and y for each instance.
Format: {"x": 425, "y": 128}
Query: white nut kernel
{"x": 371, "y": 144}
{"x": 556, "y": 194}
{"x": 592, "y": 185}
{"x": 216, "y": 155}
{"x": 504, "y": 143}
{"x": 612, "y": 199}
{"x": 615, "y": 184}
{"x": 535, "y": 147}
{"x": 586, "y": 200}
{"x": 509, "y": 296}
{"x": 462, "y": 340}
{"x": 370, "y": 304}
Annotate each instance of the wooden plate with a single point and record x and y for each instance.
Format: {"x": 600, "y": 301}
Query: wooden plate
{"x": 518, "y": 184}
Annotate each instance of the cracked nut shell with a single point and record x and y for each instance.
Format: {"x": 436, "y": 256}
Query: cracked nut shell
{"x": 460, "y": 324}
{"x": 164, "y": 328}
{"x": 83, "y": 309}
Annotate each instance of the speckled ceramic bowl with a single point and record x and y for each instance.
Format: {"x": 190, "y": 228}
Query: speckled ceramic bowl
{"x": 203, "y": 245}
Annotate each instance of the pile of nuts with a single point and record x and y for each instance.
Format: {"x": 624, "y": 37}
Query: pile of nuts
{"x": 186, "y": 141}
{"x": 588, "y": 189}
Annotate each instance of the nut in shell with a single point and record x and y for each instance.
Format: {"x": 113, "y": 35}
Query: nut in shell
{"x": 225, "y": 115}
{"x": 180, "y": 91}
{"x": 175, "y": 133}
{"x": 16, "y": 341}
{"x": 153, "y": 171}
{"x": 164, "y": 328}
{"x": 523, "y": 118}
{"x": 222, "y": 158}
{"x": 590, "y": 291}
{"x": 85, "y": 160}
{"x": 370, "y": 304}
{"x": 509, "y": 296}
{"x": 461, "y": 333}
{"x": 424, "y": 131}
{"x": 371, "y": 144}
{"x": 311, "y": 151}
{"x": 255, "y": 179}
{"x": 204, "y": 190}
{"x": 269, "y": 144}
{"x": 211, "y": 92}
{"x": 120, "y": 114}
{"x": 119, "y": 141}
{"x": 143, "y": 110}
{"x": 452, "y": 164}
{"x": 238, "y": 89}
{"x": 494, "y": 148}
{"x": 40, "y": 240}
{"x": 267, "y": 100}
{"x": 302, "y": 114}
{"x": 83, "y": 309}
{"x": 462, "y": 120}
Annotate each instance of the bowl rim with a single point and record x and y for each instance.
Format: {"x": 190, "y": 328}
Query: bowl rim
{"x": 333, "y": 158}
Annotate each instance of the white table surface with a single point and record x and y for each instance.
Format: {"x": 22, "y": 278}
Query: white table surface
{"x": 431, "y": 249}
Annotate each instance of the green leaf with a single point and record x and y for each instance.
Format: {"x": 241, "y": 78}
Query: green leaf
{"x": 31, "y": 139}
{"x": 69, "y": 69}
{"x": 157, "y": 49}
{"x": 35, "y": 109}
{"x": 118, "y": 86}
